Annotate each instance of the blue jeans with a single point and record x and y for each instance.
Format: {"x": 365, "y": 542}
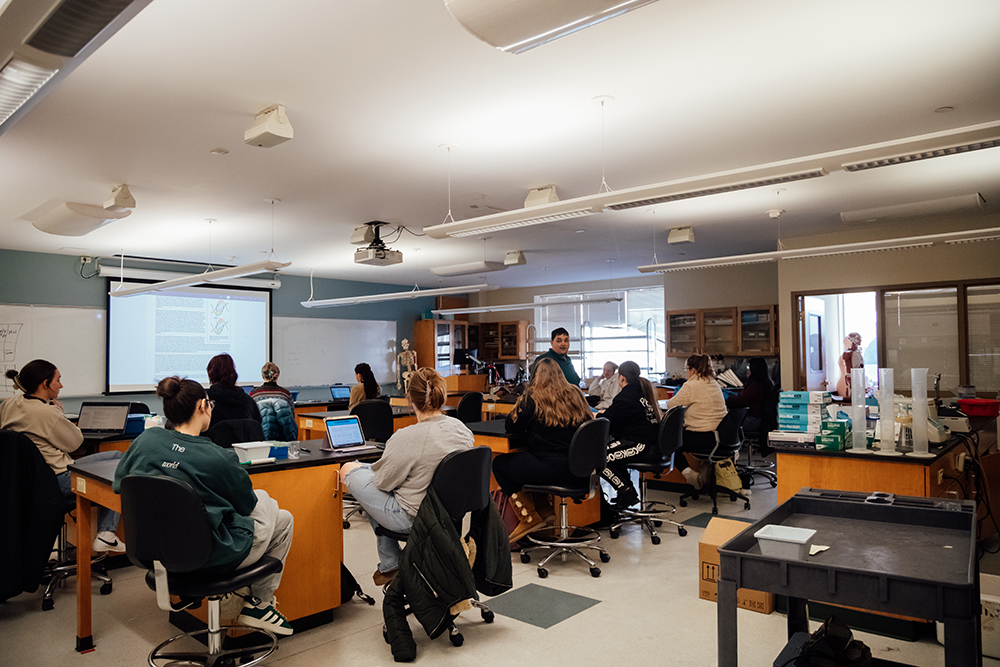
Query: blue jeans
{"x": 107, "y": 520}
{"x": 383, "y": 510}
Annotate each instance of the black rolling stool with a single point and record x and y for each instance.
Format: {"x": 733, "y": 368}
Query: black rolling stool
{"x": 652, "y": 513}
{"x": 462, "y": 484}
{"x": 169, "y": 534}
{"x": 588, "y": 455}
{"x": 727, "y": 445}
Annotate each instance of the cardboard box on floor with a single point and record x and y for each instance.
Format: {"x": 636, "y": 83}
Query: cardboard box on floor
{"x": 718, "y": 532}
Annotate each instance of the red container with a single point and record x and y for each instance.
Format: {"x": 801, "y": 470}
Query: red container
{"x": 979, "y": 407}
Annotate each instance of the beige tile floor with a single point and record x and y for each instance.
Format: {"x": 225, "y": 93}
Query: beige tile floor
{"x": 649, "y": 613}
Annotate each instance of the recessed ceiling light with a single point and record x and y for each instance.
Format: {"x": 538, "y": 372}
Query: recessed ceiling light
{"x": 218, "y": 151}
{"x": 944, "y": 109}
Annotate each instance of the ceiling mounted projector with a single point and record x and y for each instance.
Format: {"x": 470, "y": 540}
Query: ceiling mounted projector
{"x": 270, "y": 128}
{"x": 377, "y": 253}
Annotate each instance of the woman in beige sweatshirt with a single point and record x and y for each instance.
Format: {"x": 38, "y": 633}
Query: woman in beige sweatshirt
{"x": 39, "y": 415}
{"x": 706, "y": 407}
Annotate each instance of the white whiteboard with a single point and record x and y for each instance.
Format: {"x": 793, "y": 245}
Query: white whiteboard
{"x": 71, "y": 338}
{"x": 316, "y": 351}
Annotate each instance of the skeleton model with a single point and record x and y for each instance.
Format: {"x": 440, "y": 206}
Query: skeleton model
{"x": 407, "y": 363}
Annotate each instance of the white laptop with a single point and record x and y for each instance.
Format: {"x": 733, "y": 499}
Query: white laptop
{"x": 343, "y": 434}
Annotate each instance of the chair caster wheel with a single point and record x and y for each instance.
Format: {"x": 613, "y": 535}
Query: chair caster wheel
{"x": 774, "y": 484}
{"x": 488, "y": 615}
{"x": 614, "y": 533}
{"x": 48, "y": 605}
{"x": 542, "y": 573}
{"x": 347, "y": 524}
{"x": 715, "y": 511}
{"x": 682, "y": 531}
{"x": 683, "y": 503}
{"x": 385, "y": 634}
{"x": 605, "y": 557}
{"x": 655, "y": 539}
{"x": 525, "y": 558}
{"x": 657, "y": 523}
{"x": 746, "y": 506}
{"x": 106, "y": 589}
{"x": 595, "y": 572}
{"x": 456, "y": 639}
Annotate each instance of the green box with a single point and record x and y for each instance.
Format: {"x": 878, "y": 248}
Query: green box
{"x": 830, "y": 442}
{"x": 835, "y": 427}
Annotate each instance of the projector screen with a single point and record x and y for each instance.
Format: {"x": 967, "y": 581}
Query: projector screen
{"x": 176, "y": 332}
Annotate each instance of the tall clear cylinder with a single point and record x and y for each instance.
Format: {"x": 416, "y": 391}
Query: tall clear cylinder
{"x": 859, "y": 432}
{"x": 918, "y": 379}
{"x": 886, "y": 410}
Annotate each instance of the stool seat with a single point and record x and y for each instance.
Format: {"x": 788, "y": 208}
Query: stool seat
{"x": 201, "y": 585}
{"x": 576, "y": 493}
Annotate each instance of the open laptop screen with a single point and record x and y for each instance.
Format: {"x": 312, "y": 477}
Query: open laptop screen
{"x": 103, "y": 418}
{"x": 341, "y": 392}
{"x": 344, "y": 432}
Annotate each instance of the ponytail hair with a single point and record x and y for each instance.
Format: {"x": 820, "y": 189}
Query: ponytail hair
{"x": 34, "y": 374}
{"x": 372, "y": 390}
{"x": 180, "y": 398}
{"x": 427, "y": 390}
{"x": 701, "y": 364}
{"x": 630, "y": 371}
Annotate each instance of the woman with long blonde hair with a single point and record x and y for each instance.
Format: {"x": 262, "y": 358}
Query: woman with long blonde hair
{"x": 546, "y": 415}
{"x": 392, "y": 488}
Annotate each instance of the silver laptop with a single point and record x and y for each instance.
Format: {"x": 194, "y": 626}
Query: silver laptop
{"x": 340, "y": 393}
{"x": 343, "y": 434}
{"x": 102, "y": 420}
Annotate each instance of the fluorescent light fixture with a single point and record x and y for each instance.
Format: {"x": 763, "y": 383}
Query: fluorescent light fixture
{"x": 467, "y": 268}
{"x": 207, "y": 277}
{"x": 510, "y": 219}
{"x": 19, "y": 81}
{"x": 525, "y": 306}
{"x": 922, "y": 155}
{"x": 393, "y": 296}
{"x": 674, "y": 191}
{"x": 885, "y": 245}
{"x": 959, "y": 204}
{"x": 516, "y": 26}
{"x": 145, "y": 274}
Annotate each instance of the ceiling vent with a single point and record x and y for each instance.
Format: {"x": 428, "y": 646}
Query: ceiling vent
{"x": 43, "y": 40}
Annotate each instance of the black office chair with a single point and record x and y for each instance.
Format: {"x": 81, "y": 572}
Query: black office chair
{"x": 35, "y": 511}
{"x": 652, "y": 513}
{"x": 462, "y": 484}
{"x": 755, "y": 439}
{"x": 376, "y": 419}
{"x": 170, "y": 535}
{"x": 137, "y": 408}
{"x": 727, "y": 444}
{"x": 588, "y": 455}
{"x": 470, "y": 408}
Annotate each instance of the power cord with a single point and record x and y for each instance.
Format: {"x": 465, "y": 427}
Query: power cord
{"x": 84, "y": 261}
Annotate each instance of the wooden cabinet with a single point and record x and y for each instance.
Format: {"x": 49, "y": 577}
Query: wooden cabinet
{"x": 435, "y": 342}
{"x": 703, "y": 331}
{"x": 758, "y": 327}
{"x": 503, "y": 340}
{"x": 747, "y": 330}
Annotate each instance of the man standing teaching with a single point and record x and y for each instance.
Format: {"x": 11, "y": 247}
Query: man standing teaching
{"x": 558, "y": 353}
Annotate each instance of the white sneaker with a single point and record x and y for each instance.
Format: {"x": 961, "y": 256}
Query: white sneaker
{"x": 108, "y": 541}
{"x": 693, "y": 478}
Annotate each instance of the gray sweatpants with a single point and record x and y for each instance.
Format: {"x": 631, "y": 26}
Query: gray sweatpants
{"x": 272, "y": 536}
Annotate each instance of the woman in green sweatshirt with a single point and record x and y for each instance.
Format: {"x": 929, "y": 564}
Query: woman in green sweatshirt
{"x": 247, "y": 523}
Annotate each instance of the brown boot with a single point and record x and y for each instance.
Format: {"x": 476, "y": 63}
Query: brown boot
{"x": 543, "y": 505}
{"x": 528, "y": 517}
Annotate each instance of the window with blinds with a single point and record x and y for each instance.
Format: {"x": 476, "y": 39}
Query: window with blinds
{"x": 921, "y": 331}
{"x": 984, "y": 337}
